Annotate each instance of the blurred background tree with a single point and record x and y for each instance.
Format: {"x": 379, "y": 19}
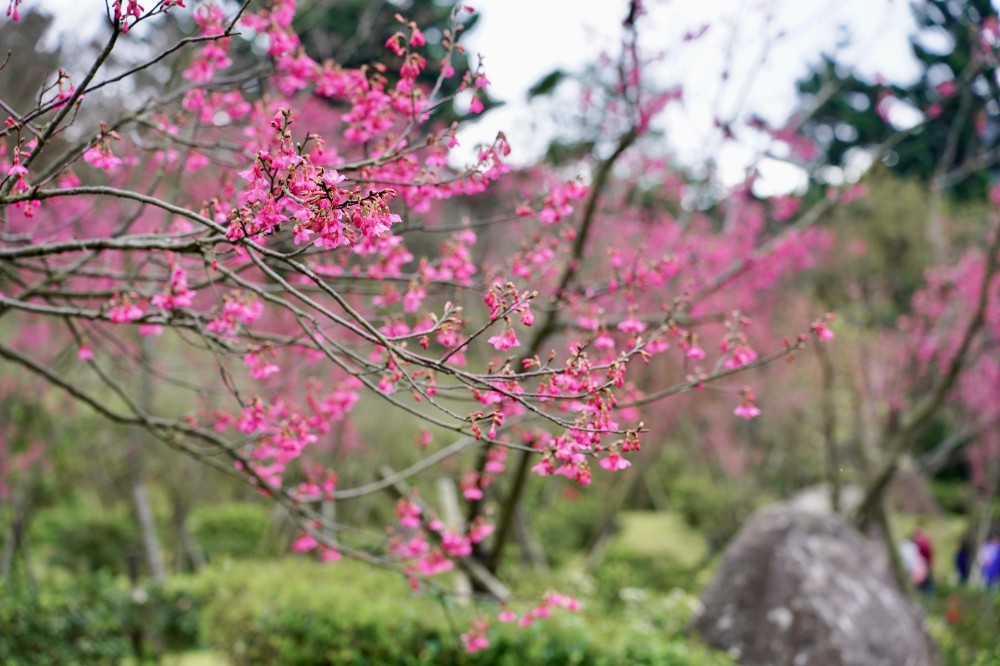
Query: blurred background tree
{"x": 353, "y": 33}
{"x": 952, "y": 103}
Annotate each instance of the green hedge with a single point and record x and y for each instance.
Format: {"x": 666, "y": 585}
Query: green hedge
{"x": 85, "y": 541}
{"x": 717, "y": 510}
{"x": 302, "y": 613}
{"x": 94, "y": 619}
{"x": 965, "y": 621}
{"x": 232, "y": 530}
{"x": 621, "y": 569}
{"x": 78, "y": 625}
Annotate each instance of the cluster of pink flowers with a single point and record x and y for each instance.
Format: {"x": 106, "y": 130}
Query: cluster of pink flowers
{"x": 747, "y": 409}
{"x": 260, "y": 367}
{"x": 177, "y": 294}
{"x": 12, "y": 9}
{"x": 237, "y": 309}
{"x": 556, "y": 206}
{"x": 18, "y": 171}
{"x": 123, "y": 309}
{"x": 411, "y": 540}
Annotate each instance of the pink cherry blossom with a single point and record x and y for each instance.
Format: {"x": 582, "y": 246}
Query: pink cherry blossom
{"x": 614, "y": 462}
{"x": 124, "y": 311}
{"x": 746, "y": 410}
{"x": 505, "y": 340}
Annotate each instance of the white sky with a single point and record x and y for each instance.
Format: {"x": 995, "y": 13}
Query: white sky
{"x": 522, "y": 40}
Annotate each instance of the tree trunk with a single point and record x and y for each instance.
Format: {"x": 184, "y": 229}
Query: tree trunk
{"x": 15, "y": 531}
{"x": 189, "y": 551}
{"x": 899, "y": 573}
{"x": 140, "y": 496}
{"x": 982, "y": 512}
{"x": 532, "y": 552}
{"x": 448, "y": 497}
{"x": 191, "y": 547}
{"x": 831, "y": 451}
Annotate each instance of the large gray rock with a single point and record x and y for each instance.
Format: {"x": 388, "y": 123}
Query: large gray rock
{"x": 803, "y": 589}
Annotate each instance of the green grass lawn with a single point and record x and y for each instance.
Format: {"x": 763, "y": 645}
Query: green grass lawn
{"x": 661, "y": 534}
{"x": 192, "y": 658}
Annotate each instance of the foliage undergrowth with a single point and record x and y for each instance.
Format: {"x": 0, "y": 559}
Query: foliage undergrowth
{"x": 300, "y": 612}
{"x": 965, "y": 624}
{"x": 232, "y": 530}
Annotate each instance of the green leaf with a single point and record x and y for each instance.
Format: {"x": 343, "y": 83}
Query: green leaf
{"x": 546, "y": 84}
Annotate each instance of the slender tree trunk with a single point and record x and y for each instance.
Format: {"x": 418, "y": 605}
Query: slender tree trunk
{"x": 191, "y": 547}
{"x": 532, "y": 552}
{"x": 831, "y": 451}
{"x": 896, "y": 568}
{"x": 982, "y": 512}
{"x": 15, "y": 532}
{"x": 147, "y": 531}
{"x": 899, "y": 434}
{"x": 189, "y": 551}
{"x": 141, "y": 504}
{"x": 657, "y": 495}
{"x": 545, "y": 329}
{"x": 448, "y": 497}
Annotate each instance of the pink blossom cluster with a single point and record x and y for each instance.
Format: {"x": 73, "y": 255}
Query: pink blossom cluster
{"x": 177, "y": 294}
{"x": 425, "y": 546}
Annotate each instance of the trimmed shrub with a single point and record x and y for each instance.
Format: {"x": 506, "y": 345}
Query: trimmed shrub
{"x": 82, "y": 624}
{"x": 231, "y": 530}
{"x": 302, "y": 613}
{"x": 85, "y": 541}
{"x": 94, "y": 619}
{"x": 621, "y": 569}
{"x": 717, "y": 510}
{"x": 568, "y": 523}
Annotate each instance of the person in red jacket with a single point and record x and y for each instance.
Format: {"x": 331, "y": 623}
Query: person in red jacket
{"x": 926, "y": 549}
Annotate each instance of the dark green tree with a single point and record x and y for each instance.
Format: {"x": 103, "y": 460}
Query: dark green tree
{"x": 956, "y": 147}
{"x": 353, "y": 33}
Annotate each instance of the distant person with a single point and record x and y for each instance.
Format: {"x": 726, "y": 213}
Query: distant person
{"x": 989, "y": 562}
{"x": 926, "y": 549}
{"x": 963, "y": 559}
{"x": 913, "y": 561}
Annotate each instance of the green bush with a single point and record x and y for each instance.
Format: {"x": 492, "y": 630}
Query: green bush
{"x": 231, "y": 530}
{"x": 84, "y": 624}
{"x": 302, "y": 613}
{"x": 965, "y": 622}
{"x": 621, "y": 569}
{"x": 716, "y": 509}
{"x": 94, "y": 619}
{"x": 172, "y": 614}
{"x": 567, "y": 523}
{"x": 85, "y": 541}
{"x": 953, "y": 496}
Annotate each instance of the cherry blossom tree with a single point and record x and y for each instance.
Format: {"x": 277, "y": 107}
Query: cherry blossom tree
{"x": 228, "y": 246}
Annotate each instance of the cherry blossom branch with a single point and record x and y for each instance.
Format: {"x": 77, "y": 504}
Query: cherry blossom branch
{"x": 541, "y": 335}
{"x": 70, "y": 103}
{"x": 187, "y": 41}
